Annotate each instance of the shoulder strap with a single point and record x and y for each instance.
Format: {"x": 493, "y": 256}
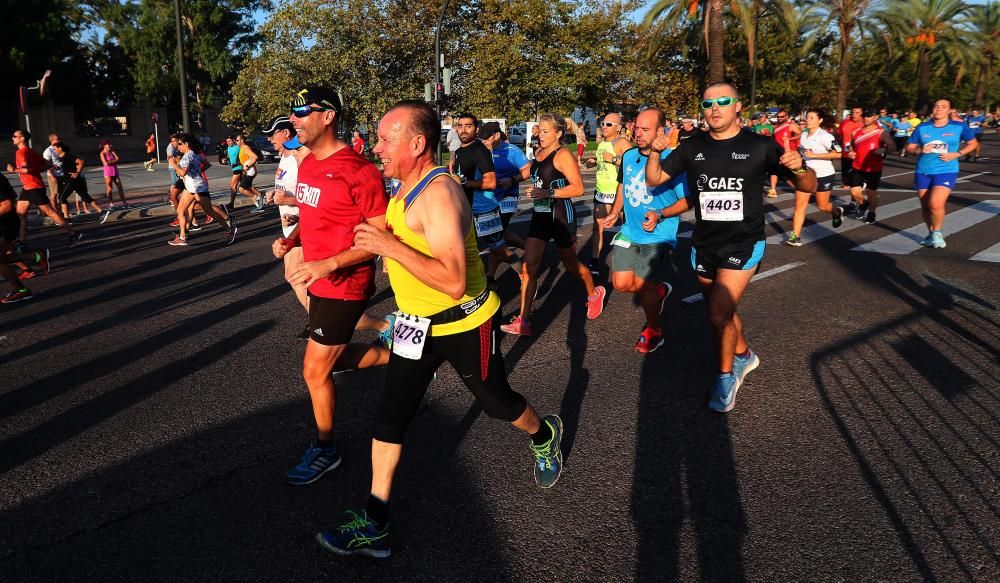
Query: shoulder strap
{"x": 419, "y": 187}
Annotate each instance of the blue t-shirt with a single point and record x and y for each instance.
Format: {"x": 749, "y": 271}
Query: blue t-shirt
{"x": 975, "y": 123}
{"x": 886, "y": 122}
{"x": 901, "y": 128}
{"x": 942, "y": 140}
{"x": 638, "y": 198}
{"x": 234, "y": 156}
{"x": 508, "y": 161}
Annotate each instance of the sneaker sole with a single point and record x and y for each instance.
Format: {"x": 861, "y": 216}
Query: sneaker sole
{"x": 18, "y": 300}
{"x": 604, "y": 296}
{"x": 648, "y": 350}
{"x": 731, "y": 404}
{"x": 663, "y": 302}
{"x": 332, "y": 467}
{"x": 373, "y": 553}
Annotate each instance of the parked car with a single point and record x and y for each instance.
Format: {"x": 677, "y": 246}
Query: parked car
{"x": 517, "y": 135}
{"x": 265, "y": 151}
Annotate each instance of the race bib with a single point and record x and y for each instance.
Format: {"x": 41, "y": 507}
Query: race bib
{"x": 410, "y": 335}
{"x": 252, "y": 171}
{"x": 542, "y": 205}
{"x": 721, "y": 206}
{"x": 508, "y": 205}
{"x": 936, "y": 147}
{"x": 488, "y": 223}
{"x": 973, "y": 125}
{"x": 621, "y": 240}
{"x": 604, "y": 197}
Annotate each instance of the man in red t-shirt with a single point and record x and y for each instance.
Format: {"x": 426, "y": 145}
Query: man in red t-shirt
{"x": 869, "y": 144}
{"x": 786, "y": 133}
{"x": 358, "y": 143}
{"x": 844, "y": 132}
{"x": 337, "y": 190}
{"x": 29, "y": 165}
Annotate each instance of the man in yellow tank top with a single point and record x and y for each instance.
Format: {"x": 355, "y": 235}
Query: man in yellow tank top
{"x": 608, "y": 160}
{"x": 446, "y": 314}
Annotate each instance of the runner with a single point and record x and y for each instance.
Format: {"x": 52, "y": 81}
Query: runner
{"x": 608, "y": 162}
{"x": 556, "y": 181}
{"x": 29, "y": 165}
{"x": 787, "y": 135}
{"x": 176, "y": 182}
{"x": 9, "y": 226}
{"x": 938, "y": 143}
{"x": 512, "y": 168}
{"x": 975, "y": 122}
{"x": 688, "y": 129}
{"x": 109, "y": 160}
{"x": 819, "y": 148}
{"x": 900, "y": 133}
{"x": 726, "y": 169}
{"x": 233, "y": 155}
{"x": 50, "y": 156}
{"x": 448, "y": 314}
{"x": 869, "y": 145}
{"x": 762, "y": 126}
{"x": 337, "y": 190}
{"x": 581, "y": 141}
{"x": 885, "y": 120}
{"x": 71, "y": 180}
{"x": 150, "y": 153}
{"x": 248, "y": 162}
{"x": 638, "y": 256}
{"x": 190, "y": 168}
{"x": 358, "y": 143}
{"x": 845, "y": 131}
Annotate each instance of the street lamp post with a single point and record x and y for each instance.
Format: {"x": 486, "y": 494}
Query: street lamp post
{"x": 437, "y": 72}
{"x": 753, "y": 65}
{"x": 22, "y": 92}
{"x": 185, "y": 116}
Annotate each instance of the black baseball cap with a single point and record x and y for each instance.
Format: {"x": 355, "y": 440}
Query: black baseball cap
{"x": 869, "y": 112}
{"x": 324, "y": 97}
{"x": 488, "y": 129}
{"x": 277, "y": 124}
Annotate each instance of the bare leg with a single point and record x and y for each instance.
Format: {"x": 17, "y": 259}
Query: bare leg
{"x": 799, "y": 216}
{"x": 534, "y": 249}
{"x": 723, "y": 295}
{"x": 573, "y": 265}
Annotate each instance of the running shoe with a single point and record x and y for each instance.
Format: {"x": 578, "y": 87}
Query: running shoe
{"x": 177, "y": 241}
{"x": 517, "y": 326}
{"x": 838, "y": 216}
{"x": 315, "y": 462}
{"x": 851, "y": 208}
{"x": 231, "y": 236}
{"x": 663, "y": 290}
{"x": 869, "y": 218}
{"x": 106, "y": 214}
{"x": 743, "y": 365}
{"x": 358, "y": 536}
{"x": 17, "y": 296}
{"x": 42, "y": 259}
{"x": 257, "y": 210}
{"x": 209, "y": 219}
{"x": 772, "y": 193}
{"x": 194, "y": 227}
{"x": 649, "y": 340}
{"x": 595, "y": 304}
{"x": 862, "y": 211}
{"x": 27, "y": 274}
{"x": 928, "y": 241}
{"x": 793, "y": 240}
{"x": 548, "y": 456}
{"x": 18, "y": 246}
{"x": 385, "y": 336}
{"x": 75, "y": 238}
{"x": 594, "y": 267}
{"x": 175, "y": 223}
{"x": 938, "y": 240}
{"x": 232, "y": 222}
{"x": 724, "y": 393}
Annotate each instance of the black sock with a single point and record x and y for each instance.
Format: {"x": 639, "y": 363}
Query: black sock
{"x": 378, "y": 511}
{"x": 324, "y": 443}
{"x": 543, "y": 435}
{"x": 745, "y": 353}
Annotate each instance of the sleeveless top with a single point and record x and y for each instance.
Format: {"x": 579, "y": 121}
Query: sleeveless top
{"x": 544, "y": 173}
{"x": 607, "y": 173}
{"x": 419, "y": 299}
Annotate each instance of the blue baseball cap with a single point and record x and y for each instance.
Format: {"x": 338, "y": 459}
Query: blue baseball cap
{"x": 292, "y": 144}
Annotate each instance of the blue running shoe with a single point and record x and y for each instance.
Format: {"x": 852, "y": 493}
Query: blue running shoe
{"x": 742, "y": 366}
{"x": 315, "y": 462}
{"x": 358, "y": 536}
{"x": 724, "y": 393}
{"x": 385, "y": 336}
{"x": 937, "y": 240}
{"x": 548, "y": 456}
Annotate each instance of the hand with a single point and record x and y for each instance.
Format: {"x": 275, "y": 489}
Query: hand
{"x": 609, "y": 221}
{"x": 537, "y": 193}
{"x": 311, "y": 272}
{"x": 949, "y": 156}
{"x": 652, "y": 218}
{"x": 608, "y": 157}
{"x": 852, "y": 154}
{"x": 280, "y": 247}
{"x": 792, "y": 160}
{"x": 10, "y": 168}
{"x": 375, "y": 240}
{"x": 660, "y": 142}
{"x": 808, "y": 154}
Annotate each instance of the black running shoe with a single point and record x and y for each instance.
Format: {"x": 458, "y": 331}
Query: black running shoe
{"x": 838, "y": 216}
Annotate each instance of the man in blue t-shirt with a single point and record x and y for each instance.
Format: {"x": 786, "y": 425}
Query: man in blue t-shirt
{"x": 938, "y": 143}
{"x": 638, "y": 255}
{"x": 512, "y": 168}
{"x": 975, "y": 122}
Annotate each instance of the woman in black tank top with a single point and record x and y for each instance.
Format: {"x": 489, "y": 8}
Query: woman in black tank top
{"x": 555, "y": 181}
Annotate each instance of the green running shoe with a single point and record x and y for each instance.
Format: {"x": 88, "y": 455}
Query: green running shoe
{"x": 548, "y": 456}
{"x": 358, "y": 536}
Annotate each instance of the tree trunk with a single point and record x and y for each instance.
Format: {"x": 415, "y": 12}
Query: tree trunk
{"x": 842, "y": 77}
{"x": 981, "y": 84}
{"x": 716, "y": 43}
{"x": 924, "y": 82}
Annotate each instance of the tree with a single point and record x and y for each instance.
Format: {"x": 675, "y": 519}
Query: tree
{"x": 984, "y": 21}
{"x": 850, "y": 17}
{"x": 667, "y": 15}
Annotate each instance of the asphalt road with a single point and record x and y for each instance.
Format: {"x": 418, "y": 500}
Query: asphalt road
{"x": 151, "y": 402}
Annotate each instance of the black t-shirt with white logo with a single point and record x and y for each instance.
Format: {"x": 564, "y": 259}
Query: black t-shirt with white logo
{"x": 472, "y": 162}
{"x": 725, "y": 185}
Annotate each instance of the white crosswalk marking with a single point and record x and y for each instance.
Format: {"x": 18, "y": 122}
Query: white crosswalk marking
{"x": 992, "y": 254}
{"x": 815, "y": 232}
{"x": 908, "y": 241}
{"x": 694, "y": 298}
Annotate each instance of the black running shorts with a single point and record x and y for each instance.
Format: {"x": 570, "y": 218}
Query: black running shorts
{"x": 332, "y": 321}
{"x": 36, "y": 196}
{"x": 868, "y": 180}
{"x": 558, "y": 225}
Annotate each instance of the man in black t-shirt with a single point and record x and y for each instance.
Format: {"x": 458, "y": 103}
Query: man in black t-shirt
{"x": 473, "y": 161}
{"x": 10, "y": 223}
{"x": 726, "y": 169}
{"x": 687, "y": 129}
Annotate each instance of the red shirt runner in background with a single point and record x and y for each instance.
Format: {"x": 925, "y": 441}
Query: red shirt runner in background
{"x": 846, "y": 130}
{"x": 358, "y": 144}
{"x": 785, "y": 131}
{"x": 33, "y": 161}
{"x": 863, "y": 143}
{"x": 334, "y": 195}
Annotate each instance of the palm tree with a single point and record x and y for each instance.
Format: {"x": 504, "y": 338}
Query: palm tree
{"x": 984, "y": 21}
{"x": 850, "y": 16}
{"x": 923, "y": 25}
{"x": 664, "y": 15}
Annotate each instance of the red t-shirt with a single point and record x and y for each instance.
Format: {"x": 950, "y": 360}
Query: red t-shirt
{"x": 863, "y": 142}
{"x": 359, "y": 145}
{"x": 26, "y": 157}
{"x": 785, "y": 131}
{"x": 335, "y": 195}
{"x": 846, "y": 130}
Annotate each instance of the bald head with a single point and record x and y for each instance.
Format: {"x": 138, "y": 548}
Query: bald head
{"x": 647, "y": 125}
{"x": 610, "y": 132}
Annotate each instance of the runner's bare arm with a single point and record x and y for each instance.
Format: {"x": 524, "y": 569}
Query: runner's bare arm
{"x": 566, "y": 163}
{"x": 488, "y": 182}
{"x": 655, "y": 175}
{"x": 312, "y": 271}
{"x": 616, "y": 207}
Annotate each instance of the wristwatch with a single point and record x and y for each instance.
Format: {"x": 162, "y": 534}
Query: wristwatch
{"x": 800, "y": 171}
{"x": 552, "y": 193}
{"x": 614, "y": 160}
{"x": 463, "y": 180}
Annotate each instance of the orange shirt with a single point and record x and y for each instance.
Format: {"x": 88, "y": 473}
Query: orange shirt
{"x": 32, "y": 161}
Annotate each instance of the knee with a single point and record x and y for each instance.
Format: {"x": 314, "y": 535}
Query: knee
{"x": 508, "y": 407}
{"x": 622, "y": 282}
{"x": 315, "y": 372}
{"x": 720, "y": 316}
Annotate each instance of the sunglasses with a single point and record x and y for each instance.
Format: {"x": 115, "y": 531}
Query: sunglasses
{"x": 306, "y": 110}
{"x": 724, "y": 101}
{"x": 608, "y": 124}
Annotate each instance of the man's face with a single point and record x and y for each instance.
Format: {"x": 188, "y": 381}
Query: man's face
{"x": 856, "y": 114}
{"x": 53, "y": 139}
{"x": 395, "y": 147}
{"x": 883, "y": 112}
{"x": 229, "y": 141}
{"x": 312, "y": 126}
{"x": 721, "y": 117}
{"x": 646, "y": 125}
{"x": 611, "y": 126}
{"x": 465, "y": 127}
{"x": 941, "y": 109}
{"x": 18, "y": 139}
{"x": 870, "y": 120}
{"x": 687, "y": 124}
{"x": 782, "y": 116}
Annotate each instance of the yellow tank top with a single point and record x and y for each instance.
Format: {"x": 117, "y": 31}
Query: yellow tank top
{"x": 419, "y": 299}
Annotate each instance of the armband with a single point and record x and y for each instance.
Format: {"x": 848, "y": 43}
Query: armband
{"x": 799, "y": 172}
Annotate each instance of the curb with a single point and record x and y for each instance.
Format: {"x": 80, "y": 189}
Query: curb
{"x": 140, "y": 211}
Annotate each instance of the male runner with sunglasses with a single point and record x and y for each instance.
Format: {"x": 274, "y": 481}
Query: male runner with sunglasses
{"x": 608, "y": 161}
{"x": 337, "y": 189}
{"x": 726, "y": 168}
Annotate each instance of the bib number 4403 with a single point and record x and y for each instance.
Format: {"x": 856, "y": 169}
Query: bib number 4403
{"x": 722, "y": 206}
